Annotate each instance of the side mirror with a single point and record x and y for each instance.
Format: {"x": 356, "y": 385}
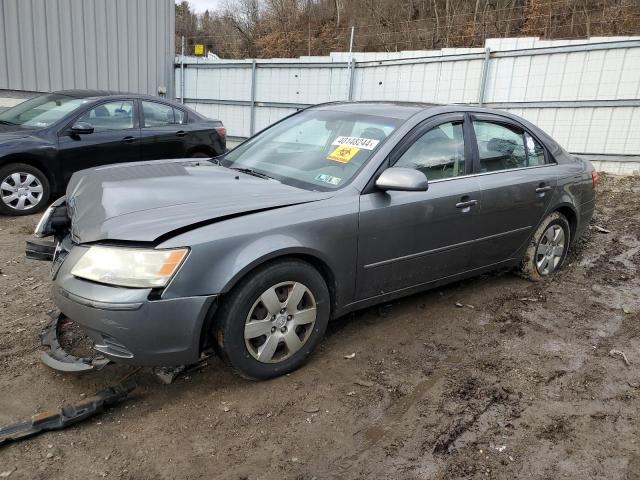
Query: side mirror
{"x": 402, "y": 179}
{"x": 81, "y": 128}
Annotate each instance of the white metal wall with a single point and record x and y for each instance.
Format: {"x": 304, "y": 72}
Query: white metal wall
{"x": 586, "y": 94}
{"x": 125, "y": 45}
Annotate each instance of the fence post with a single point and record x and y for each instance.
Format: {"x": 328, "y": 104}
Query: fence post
{"x": 483, "y": 80}
{"x": 252, "y": 117}
{"x": 351, "y": 77}
{"x": 182, "y": 72}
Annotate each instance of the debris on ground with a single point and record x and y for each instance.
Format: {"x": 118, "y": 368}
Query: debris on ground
{"x": 67, "y": 415}
{"x": 350, "y": 356}
{"x": 600, "y": 229}
{"x": 620, "y": 353}
{"x": 363, "y": 383}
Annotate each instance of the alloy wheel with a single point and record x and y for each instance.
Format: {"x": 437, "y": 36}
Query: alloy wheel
{"x": 21, "y": 191}
{"x": 280, "y": 322}
{"x": 550, "y": 250}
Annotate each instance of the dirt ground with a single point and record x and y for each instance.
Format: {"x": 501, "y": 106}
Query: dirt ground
{"x": 519, "y": 382}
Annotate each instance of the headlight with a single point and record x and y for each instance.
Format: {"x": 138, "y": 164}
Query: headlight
{"x": 129, "y": 267}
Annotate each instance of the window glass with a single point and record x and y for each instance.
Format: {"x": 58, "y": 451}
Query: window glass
{"x": 500, "y": 147}
{"x": 110, "y": 116}
{"x": 42, "y": 111}
{"x": 180, "y": 116}
{"x": 157, "y": 114}
{"x": 439, "y": 153}
{"x": 535, "y": 152}
{"x": 314, "y": 149}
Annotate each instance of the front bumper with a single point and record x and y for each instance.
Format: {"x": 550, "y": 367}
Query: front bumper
{"x": 130, "y": 325}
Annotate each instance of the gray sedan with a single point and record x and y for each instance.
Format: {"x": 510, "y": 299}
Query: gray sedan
{"x": 335, "y": 208}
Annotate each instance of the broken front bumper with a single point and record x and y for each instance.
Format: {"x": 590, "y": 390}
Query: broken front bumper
{"x": 59, "y": 359}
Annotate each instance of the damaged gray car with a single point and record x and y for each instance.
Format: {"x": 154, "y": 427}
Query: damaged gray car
{"x": 335, "y": 208}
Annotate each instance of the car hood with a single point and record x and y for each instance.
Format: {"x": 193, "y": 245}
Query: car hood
{"x": 13, "y": 132}
{"x": 145, "y": 201}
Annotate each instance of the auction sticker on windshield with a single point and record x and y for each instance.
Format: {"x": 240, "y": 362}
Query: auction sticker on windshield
{"x": 366, "y": 143}
{"x": 343, "y": 154}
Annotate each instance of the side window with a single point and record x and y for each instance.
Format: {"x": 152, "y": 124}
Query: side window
{"x": 157, "y": 114}
{"x": 110, "y": 116}
{"x": 180, "y": 116}
{"x": 535, "y": 153}
{"x": 439, "y": 153}
{"x": 500, "y": 147}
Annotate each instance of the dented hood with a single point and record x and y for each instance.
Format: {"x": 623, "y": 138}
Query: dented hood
{"x": 146, "y": 200}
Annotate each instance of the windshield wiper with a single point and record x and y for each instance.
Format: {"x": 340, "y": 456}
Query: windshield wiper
{"x": 249, "y": 171}
{"x": 7, "y": 122}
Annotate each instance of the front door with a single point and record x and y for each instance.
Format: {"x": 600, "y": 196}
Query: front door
{"x": 517, "y": 179}
{"x": 413, "y": 238}
{"x": 115, "y": 138}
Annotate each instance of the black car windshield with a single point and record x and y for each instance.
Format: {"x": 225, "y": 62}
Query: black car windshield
{"x": 41, "y": 111}
{"x": 315, "y": 149}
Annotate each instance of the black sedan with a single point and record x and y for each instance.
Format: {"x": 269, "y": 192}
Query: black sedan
{"x": 44, "y": 140}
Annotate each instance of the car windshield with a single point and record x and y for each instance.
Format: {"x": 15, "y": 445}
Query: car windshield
{"x": 315, "y": 149}
{"x": 41, "y": 111}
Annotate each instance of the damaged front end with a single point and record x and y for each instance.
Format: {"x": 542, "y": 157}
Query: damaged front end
{"x": 60, "y": 359}
{"x": 55, "y": 223}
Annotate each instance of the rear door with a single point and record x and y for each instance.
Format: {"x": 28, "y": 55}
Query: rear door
{"x": 115, "y": 138}
{"x": 517, "y": 179}
{"x": 165, "y": 132}
{"x": 413, "y": 238}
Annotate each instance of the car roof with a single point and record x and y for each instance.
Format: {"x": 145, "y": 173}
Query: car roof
{"x": 399, "y": 110}
{"x": 99, "y": 94}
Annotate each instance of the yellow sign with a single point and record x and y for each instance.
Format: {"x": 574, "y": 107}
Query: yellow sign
{"x": 343, "y": 154}
{"x": 198, "y": 49}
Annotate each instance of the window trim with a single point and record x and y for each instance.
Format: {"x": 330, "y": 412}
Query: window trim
{"x": 142, "y": 118}
{"x": 64, "y": 131}
{"x": 500, "y": 120}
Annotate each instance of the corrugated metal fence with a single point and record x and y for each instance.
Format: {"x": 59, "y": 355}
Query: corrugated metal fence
{"x": 586, "y": 94}
{"x": 125, "y": 45}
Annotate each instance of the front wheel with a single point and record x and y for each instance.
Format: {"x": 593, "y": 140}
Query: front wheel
{"x": 548, "y": 248}
{"x": 273, "y": 319}
{"x": 23, "y": 189}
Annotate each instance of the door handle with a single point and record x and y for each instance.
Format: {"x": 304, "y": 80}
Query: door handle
{"x": 129, "y": 139}
{"x": 543, "y": 188}
{"x": 181, "y": 133}
{"x": 466, "y": 204}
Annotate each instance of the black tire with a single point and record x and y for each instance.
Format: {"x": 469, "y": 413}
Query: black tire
{"x": 199, "y": 155}
{"x": 529, "y": 267}
{"x": 229, "y": 324}
{"x": 6, "y": 173}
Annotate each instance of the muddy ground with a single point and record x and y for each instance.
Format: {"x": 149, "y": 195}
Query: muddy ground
{"x": 517, "y": 383}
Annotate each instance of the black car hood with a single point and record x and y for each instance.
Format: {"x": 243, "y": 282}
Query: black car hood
{"x": 13, "y": 132}
{"x": 144, "y": 201}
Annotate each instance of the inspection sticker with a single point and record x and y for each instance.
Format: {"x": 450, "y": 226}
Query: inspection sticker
{"x": 343, "y": 154}
{"x": 366, "y": 143}
{"x": 328, "y": 179}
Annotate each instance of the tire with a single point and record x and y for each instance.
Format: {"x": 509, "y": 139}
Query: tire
{"x": 548, "y": 248}
{"x": 252, "y": 302}
{"x": 199, "y": 155}
{"x": 24, "y": 190}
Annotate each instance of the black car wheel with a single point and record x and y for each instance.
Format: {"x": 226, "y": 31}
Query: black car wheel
{"x": 548, "y": 248}
{"x": 272, "y": 321}
{"x": 23, "y": 189}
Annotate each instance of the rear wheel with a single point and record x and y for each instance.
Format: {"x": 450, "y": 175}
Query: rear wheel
{"x": 23, "y": 189}
{"x": 272, "y": 321}
{"x": 548, "y": 248}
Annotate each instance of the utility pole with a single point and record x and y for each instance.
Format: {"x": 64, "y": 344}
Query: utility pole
{"x": 350, "y": 65}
